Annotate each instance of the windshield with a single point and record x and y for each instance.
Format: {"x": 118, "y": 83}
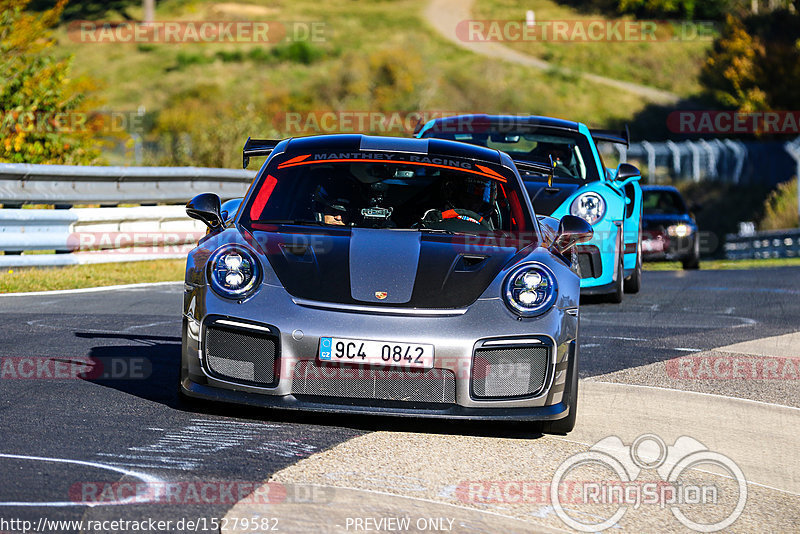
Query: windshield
{"x": 571, "y": 152}
{"x": 663, "y": 203}
{"x": 388, "y": 190}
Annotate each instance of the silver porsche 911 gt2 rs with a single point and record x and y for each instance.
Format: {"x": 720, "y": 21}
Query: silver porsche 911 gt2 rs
{"x": 381, "y": 275}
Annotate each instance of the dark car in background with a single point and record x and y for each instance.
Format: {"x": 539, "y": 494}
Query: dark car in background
{"x": 669, "y": 231}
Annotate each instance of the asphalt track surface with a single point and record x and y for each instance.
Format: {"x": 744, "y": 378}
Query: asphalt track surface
{"x": 59, "y": 436}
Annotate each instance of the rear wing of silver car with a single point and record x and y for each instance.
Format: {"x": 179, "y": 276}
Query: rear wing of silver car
{"x": 620, "y": 137}
{"x": 257, "y": 147}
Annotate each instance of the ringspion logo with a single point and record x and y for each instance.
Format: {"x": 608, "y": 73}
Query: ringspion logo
{"x": 684, "y": 469}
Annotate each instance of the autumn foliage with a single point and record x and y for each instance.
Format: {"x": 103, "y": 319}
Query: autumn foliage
{"x": 44, "y": 115}
{"x": 755, "y": 63}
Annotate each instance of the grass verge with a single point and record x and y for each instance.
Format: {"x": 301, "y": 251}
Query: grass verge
{"x": 18, "y": 280}
{"x": 725, "y": 265}
{"x": 672, "y": 62}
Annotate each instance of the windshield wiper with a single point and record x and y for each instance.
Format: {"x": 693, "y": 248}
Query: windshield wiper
{"x": 448, "y": 232}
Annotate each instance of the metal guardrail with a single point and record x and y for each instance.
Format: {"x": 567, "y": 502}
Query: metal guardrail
{"x": 720, "y": 160}
{"x": 77, "y": 184}
{"x": 761, "y": 245}
{"x": 95, "y": 235}
{"x": 98, "y": 235}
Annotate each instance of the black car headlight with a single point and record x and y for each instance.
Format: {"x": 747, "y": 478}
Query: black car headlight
{"x": 530, "y": 289}
{"x": 588, "y": 206}
{"x": 234, "y": 271}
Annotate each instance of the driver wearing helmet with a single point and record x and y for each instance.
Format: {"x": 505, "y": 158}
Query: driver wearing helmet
{"x": 561, "y": 153}
{"x": 471, "y": 200}
{"x": 332, "y": 202}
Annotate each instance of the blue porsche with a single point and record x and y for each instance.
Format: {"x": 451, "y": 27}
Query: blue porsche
{"x": 578, "y": 183}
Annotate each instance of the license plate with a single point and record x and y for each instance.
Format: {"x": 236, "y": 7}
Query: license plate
{"x": 389, "y": 353}
{"x": 653, "y": 245}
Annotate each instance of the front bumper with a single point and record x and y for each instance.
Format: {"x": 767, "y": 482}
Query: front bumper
{"x": 660, "y": 247}
{"x": 599, "y": 258}
{"x": 456, "y": 337}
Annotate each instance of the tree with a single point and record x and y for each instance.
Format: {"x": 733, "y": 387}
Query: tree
{"x": 43, "y": 112}
{"x": 755, "y": 63}
{"x": 732, "y": 72}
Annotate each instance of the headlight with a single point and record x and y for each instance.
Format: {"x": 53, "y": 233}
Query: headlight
{"x": 589, "y": 206}
{"x": 679, "y": 230}
{"x": 233, "y": 271}
{"x": 530, "y": 289}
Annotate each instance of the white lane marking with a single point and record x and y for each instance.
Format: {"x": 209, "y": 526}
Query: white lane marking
{"x": 587, "y": 345}
{"x": 611, "y": 320}
{"x": 148, "y": 325}
{"x": 187, "y": 448}
{"x": 696, "y": 393}
{"x": 90, "y": 289}
{"x": 147, "y": 479}
{"x": 287, "y": 449}
{"x": 746, "y": 321}
{"x": 683, "y": 349}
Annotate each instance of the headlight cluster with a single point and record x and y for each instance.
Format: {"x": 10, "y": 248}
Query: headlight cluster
{"x": 530, "y": 289}
{"x": 588, "y": 206}
{"x": 233, "y": 271}
{"x": 679, "y": 230}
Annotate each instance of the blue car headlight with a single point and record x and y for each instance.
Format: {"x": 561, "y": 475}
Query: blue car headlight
{"x": 679, "y": 230}
{"x": 530, "y": 289}
{"x": 588, "y": 206}
{"x": 234, "y": 271}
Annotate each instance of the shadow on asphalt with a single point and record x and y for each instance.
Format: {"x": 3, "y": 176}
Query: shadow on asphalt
{"x": 161, "y": 385}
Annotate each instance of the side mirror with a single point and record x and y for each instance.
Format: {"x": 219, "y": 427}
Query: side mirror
{"x": 626, "y": 170}
{"x": 571, "y": 231}
{"x": 205, "y": 207}
{"x": 229, "y": 208}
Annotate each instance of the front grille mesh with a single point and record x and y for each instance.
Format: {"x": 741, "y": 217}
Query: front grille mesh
{"x": 244, "y": 357}
{"x": 315, "y": 378}
{"x": 509, "y": 372}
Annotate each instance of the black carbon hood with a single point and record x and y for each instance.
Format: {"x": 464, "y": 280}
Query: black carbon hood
{"x": 395, "y": 268}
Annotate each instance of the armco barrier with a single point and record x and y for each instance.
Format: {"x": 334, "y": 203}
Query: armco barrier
{"x": 96, "y": 235}
{"x": 760, "y": 245}
{"x": 77, "y": 184}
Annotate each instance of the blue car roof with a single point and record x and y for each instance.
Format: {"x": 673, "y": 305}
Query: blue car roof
{"x": 511, "y": 122}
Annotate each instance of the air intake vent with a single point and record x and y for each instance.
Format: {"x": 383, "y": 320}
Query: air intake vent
{"x": 314, "y": 378}
{"x": 242, "y": 356}
{"x": 519, "y": 371}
